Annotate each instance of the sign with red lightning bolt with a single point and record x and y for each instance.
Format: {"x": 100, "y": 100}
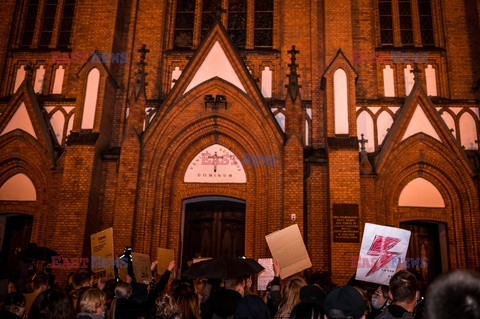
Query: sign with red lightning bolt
{"x": 382, "y": 247}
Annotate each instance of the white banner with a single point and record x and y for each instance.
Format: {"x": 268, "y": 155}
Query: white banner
{"x": 267, "y": 275}
{"x": 382, "y": 250}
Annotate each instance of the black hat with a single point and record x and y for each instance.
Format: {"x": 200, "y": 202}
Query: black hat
{"x": 344, "y": 302}
{"x": 312, "y": 293}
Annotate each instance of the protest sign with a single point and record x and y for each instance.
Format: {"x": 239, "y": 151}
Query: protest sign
{"x": 266, "y": 275}
{"x": 122, "y": 274}
{"x": 381, "y": 251}
{"x": 141, "y": 267}
{"x": 287, "y": 246}
{"x": 102, "y": 250}
{"x": 164, "y": 257}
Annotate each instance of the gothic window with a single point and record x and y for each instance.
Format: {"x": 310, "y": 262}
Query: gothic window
{"x": 340, "y": 101}
{"x": 386, "y": 22}
{"x": 249, "y": 23}
{"x": 209, "y": 9}
{"x": 426, "y": 26}
{"x": 90, "y": 103}
{"x": 406, "y": 22}
{"x": 48, "y": 23}
{"x": 30, "y": 20}
{"x": 263, "y": 34}
{"x": 406, "y": 25}
{"x": 237, "y": 22}
{"x": 66, "y": 24}
{"x": 184, "y": 23}
{"x": 43, "y": 27}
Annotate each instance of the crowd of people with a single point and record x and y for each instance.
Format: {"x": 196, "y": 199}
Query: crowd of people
{"x": 453, "y": 295}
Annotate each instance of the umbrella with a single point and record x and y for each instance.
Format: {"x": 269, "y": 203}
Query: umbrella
{"x": 223, "y": 268}
{"x": 34, "y": 252}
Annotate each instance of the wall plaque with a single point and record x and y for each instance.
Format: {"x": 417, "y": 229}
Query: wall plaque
{"x": 345, "y": 223}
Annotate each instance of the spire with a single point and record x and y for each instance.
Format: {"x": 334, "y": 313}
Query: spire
{"x": 365, "y": 165}
{"x": 140, "y": 84}
{"x": 416, "y": 73}
{"x": 292, "y": 86}
{"x": 362, "y": 142}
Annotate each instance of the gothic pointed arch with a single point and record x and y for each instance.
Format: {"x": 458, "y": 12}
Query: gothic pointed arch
{"x": 418, "y": 117}
{"x": 422, "y": 156}
{"x": 339, "y": 81}
{"x": 24, "y": 117}
{"x": 203, "y": 67}
{"x": 180, "y": 131}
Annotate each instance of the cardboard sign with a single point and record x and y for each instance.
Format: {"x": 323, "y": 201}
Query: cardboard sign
{"x": 102, "y": 254}
{"x": 266, "y": 275}
{"x": 383, "y": 249}
{"x": 141, "y": 267}
{"x": 164, "y": 257}
{"x": 287, "y": 246}
{"x": 123, "y": 273}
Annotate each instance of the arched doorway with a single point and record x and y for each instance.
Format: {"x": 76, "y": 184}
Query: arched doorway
{"x": 428, "y": 242}
{"x": 213, "y": 226}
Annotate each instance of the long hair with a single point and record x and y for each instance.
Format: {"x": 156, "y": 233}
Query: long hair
{"x": 189, "y": 306}
{"x": 291, "y": 297}
{"x": 122, "y": 291}
{"x": 91, "y": 300}
{"x": 52, "y": 303}
{"x": 166, "y": 308}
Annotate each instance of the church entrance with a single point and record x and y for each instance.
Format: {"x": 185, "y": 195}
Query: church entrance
{"x": 15, "y": 232}
{"x": 213, "y": 227}
{"x": 429, "y": 243}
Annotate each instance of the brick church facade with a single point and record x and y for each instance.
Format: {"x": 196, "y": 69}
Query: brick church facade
{"x": 203, "y": 126}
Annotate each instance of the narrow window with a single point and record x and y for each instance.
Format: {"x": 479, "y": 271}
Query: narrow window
{"x": 267, "y": 82}
{"x": 39, "y": 79}
{"x": 209, "y": 11}
{"x": 406, "y": 25}
{"x": 237, "y": 22}
{"x": 388, "y": 81}
{"x": 409, "y": 79}
{"x": 263, "y": 26}
{"x": 58, "y": 83}
{"x": 468, "y": 132}
{"x": 386, "y": 21}
{"x": 431, "y": 81}
{"x": 184, "y": 22}
{"x": 90, "y": 103}
{"x": 66, "y": 24}
{"x": 426, "y": 27}
{"x": 340, "y": 101}
{"x": 48, "y": 22}
{"x": 30, "y": 21}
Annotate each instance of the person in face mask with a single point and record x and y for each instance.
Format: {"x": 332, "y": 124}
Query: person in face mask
{"x": 14, "y": 306}
{"x": 379, "y": 301}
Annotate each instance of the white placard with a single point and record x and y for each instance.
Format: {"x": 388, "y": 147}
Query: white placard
{"x": 266, "y": 275}
{"x": 382, "y": 249}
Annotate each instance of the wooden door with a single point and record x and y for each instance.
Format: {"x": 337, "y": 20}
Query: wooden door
{"x": 214, "y": 229}
{"x": 424, "y": 243}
